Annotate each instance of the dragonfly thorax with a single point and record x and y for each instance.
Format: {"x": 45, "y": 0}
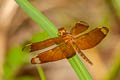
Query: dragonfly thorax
{"x": 67, "y": 37}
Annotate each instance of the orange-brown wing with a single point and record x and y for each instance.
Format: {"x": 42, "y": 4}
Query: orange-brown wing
{"x": 60, "y": 52}
{"x": 91, "y": 38}
{"x": 44, "y": 44}
{"x": 79, "y": 27}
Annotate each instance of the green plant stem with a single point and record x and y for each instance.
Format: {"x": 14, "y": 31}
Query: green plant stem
{"x": 48, "y": 27}
{"x": 40, "y": 70}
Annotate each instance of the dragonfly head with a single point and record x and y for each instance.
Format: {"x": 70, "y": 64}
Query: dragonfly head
{"x": 61, "y": 31}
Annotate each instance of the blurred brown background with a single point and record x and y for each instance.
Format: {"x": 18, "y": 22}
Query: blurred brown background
{"x": 16, "y": 28}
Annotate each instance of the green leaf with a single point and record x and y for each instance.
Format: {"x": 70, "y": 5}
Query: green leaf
{"x": 26, "y": 78}
{"x": 14, "y": 60}
{"x": 40, "y": 36}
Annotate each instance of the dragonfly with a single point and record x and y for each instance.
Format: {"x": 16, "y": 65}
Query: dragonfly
{"x": 67, "y": 44}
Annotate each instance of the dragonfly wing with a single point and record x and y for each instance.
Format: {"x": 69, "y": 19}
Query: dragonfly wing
{"x": 79, "y": 27}
{"x": 91, "y": 38}
{"x": 44, "y": 44}
{"x": 62, "y": 51}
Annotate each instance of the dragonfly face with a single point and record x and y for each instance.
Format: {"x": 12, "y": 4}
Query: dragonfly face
{"x": 67, "y": 45}
{"x": 61, "y": 31}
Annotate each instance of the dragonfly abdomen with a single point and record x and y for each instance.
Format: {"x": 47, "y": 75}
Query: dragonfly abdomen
{"x": 76, "y": 48}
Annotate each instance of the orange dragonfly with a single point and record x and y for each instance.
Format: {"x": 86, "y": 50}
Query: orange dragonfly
{"x": 67, "y": 44}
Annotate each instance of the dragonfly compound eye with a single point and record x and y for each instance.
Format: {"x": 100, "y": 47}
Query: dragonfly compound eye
{"x": 61, "y": 31}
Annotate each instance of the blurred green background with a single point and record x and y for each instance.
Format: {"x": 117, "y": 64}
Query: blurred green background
{"x": 17, "y": 29}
